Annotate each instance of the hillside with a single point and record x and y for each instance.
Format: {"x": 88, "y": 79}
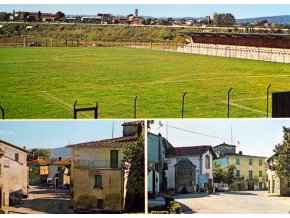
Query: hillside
{"x": 61, "y": 152}
{"x": 283, "y": 19}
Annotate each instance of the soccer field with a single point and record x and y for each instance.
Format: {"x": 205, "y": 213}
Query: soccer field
{"x": 43, "y": 83}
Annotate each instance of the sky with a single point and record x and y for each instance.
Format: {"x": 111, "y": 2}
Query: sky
{"x": 256, "y": 137}
{"x": 157, "y": 10}
{"x": 54, "y": 134}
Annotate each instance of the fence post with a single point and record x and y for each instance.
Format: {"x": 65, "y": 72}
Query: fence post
{"x": 75, "y": 112}
{"x": 135, "y": 107}
{"x": 229, "y": 102}
{"x": 182, "y": 110}
{"x": 268, "y": 99}
{"x": 96, "y": 110}
{"x": 2, "y": 110}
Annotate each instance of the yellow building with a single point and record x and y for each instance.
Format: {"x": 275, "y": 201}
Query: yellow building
{"x": 38, "y": 171}
{"x": 250, "y": 172}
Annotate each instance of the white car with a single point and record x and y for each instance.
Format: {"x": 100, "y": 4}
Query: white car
{"x": 223, "y": 188}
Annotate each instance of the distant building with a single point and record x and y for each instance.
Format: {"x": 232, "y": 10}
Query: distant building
{"x": 106, "y": 18}
{"x": 38, "y": 171}
{"x": 250, "y": 172}
{"x": 96, "y": 169}
{"x": 97, "y": 19}
{"x": 13, "y": 173}
{"x": 207, "y": 19}
{"x": 224, "y": 149}
{"x": 59, "y": 173}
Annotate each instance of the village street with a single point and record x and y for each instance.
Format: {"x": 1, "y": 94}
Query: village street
{"x": 252, "y": 202}
{"x": 44, "y": 200}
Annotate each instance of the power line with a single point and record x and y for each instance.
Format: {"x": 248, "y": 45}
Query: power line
{"x": 198, "y": 133}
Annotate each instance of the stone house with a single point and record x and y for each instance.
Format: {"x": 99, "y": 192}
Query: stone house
{"x": 59, "y": 173}
{"x": 202, "y": 159}
{"x": 276, "y": 185}
{"x": 96, "y": 172}
{"x": 38, "y": 171}
{"x": 13, "y": 173}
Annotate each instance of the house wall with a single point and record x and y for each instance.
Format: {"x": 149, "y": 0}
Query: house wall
{"x": 14, "y": 176}
{"x": 150, "y": 182}
{"x": 111, "y": 191}
{"x": 244, "y": 168}
{"x": 88, "y": 162}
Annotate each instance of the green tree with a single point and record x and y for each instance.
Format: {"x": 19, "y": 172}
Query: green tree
{"x": 59, "y": 15}
{"x": 43, "y": 152}
{"x": 133, "y": 164}
{"x": 4, "y": 16}
{"x": 224, "y": 19}
{"x": 282, "y": 157}
{"x": 219, "y": 173}
{"x": 229, "y": 174}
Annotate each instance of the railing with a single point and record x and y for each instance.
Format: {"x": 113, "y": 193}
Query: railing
{"x": 90, "y": 164}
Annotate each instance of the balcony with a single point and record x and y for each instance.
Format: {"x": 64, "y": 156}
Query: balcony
{"x": 91, "y": 164}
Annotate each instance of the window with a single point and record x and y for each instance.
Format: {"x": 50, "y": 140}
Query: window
{"x": 100, "y": 203}
{"x": 260, "y": 174}
{"x": 98, "y": 181}
{"x": 59, "y": 169}
{"x": 237, "y": 173}
{"x": 114, "y": 159}
{"x": 260, "y": 162}
{"x": 6, "y": 163}
{"x": 250, "y": 174}
{"x": 17, "y": 157}
{"x": 238, "y": 161}
{"x": 250, "y": 161}
{"x": 207, "y": 162}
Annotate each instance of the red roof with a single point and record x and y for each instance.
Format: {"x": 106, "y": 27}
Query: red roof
{"x": 37, "y": 162}
{"x": 120, "y": 142}
{"x": 61, "y": 162}
{"x": 134, "y": 123}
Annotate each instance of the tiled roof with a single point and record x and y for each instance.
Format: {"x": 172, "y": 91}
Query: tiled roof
{"x": 14, "y": 146}
{"x": 244, "y": 155}
{"x": 224, "y": 144}
{"x": 120, "y": 142}
{"x": 61, "y": 162}
{"x": 192, "y": 150}
{"x": 134, "y": 123}
{"x": 184, "y": 162}
{"x": 37, "y": 162}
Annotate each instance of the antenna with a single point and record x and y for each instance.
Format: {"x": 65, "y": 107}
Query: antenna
{"x": 113, "y": 130}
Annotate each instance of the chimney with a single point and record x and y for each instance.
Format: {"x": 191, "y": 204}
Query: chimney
{"x": 59, "y": 158}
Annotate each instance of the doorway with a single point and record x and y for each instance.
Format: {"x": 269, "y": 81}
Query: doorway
{"x": 250, "y": 186}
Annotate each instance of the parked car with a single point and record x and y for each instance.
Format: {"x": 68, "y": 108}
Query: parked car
{"x": 223, "y": 188}
{"x": 35, "y": 43}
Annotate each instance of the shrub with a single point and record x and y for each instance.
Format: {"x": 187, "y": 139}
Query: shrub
{"x": 160, "y": 212}
{"x": 175, "y": 208}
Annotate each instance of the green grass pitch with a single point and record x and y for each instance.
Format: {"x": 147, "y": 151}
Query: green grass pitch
{"x": 43, "y": 83}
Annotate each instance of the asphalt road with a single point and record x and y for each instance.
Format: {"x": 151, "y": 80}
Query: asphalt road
{"x": 246, "y": 202}
{"x": 44, "y": 200}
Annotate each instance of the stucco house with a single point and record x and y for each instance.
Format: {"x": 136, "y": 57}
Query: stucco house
{"x": 59, "y": 173}
{"x": 96, "y": 172}
{"x": 201, "y": 158}
{"x": 156, "y": 146}
{"x": 13, "y": 173}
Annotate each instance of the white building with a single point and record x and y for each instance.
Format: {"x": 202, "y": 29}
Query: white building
{"x": 13, "y": 173}
{"x": 201, "y": 156}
